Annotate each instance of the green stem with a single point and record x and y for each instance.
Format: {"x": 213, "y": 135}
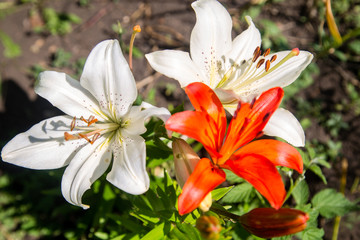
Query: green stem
{"x": 225, "y": 213}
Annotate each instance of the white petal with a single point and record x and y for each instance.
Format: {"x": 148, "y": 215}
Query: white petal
{"x": 108, "y": 77}
{"x": 175, "y": 64}
{"x": 128, "y": 171}
{"x": 244, "y": 44}
{"x": 85, "y": 168}
{"x": 43, "y": 146}
{"x": 66, "y": 94}
{"x": 137, "y": 116}
{"x": 211, "y": 37}
{"x": 280, "y": 77}
{"x": 285, "y": 125}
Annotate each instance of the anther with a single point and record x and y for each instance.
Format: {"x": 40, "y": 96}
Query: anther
{"x": 267, "y": 65}
{"x": 273, "y": 58}
{"x": 257, "y": 54}
{"x": 69, "y": 136}
{"x": 295, "y": 51}
{"x": 85, "y": 137}
{"x": 96, "y": 136}
{"x": 261, "y": 61}
{"x": 267, "y": 52}
{"x": 91, "y": 120}
{"x": 72, "y": 125}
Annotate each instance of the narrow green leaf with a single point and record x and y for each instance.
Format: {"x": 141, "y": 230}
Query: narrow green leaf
{"x": 11, "y": 49}
{"x": 317, "y": 170}
{"x": 220, "y": 192}
{"x": 158, "y": 232}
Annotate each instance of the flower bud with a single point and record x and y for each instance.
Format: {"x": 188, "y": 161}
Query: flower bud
{"x": 209, "y": 227}
{"x": 185, "y": 160}
{"x": 269, "y": 222}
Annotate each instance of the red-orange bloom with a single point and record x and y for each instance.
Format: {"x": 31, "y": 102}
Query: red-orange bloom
{"x": 231, "y": 149}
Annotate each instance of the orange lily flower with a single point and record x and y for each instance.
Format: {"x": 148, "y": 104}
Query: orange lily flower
{"x": 231, "y": 148}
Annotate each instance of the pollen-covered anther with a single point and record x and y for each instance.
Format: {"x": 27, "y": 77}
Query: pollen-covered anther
{"x": 295, "y": 51}
{"x": 267, "y": 65}
{"x": 261, "y": 62}
{"x": 69, "y": 136}
{"x": 72, "y": 125}
{"x": 90, "y": 120}
{"x": 257, "y": 54}
{"x": 273, "y": 58}
{"x": 267, "y": 52}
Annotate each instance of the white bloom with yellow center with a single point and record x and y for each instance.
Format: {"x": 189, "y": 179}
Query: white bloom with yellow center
{"x": 235, "y": 69}
{"x": 101, "y": 126}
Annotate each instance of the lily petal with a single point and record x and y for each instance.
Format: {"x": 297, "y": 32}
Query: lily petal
{"x": 205, "y": 130}
{"x": 204, "y": 99}
{"x": 137, "y": 116}
{"x": 43, "y": 146}
{"x": 243, "y": 45}
{"x": 285, "y": 125}
{"x": 175, "y": 64}
{"x": 279, "y": 153}
{"x": 262, "y": 174}
{"x": 108, "y": 78}
{"x": 85, "y": 168}
{"x": 128, "y": 171}
{"x": 203, "y": 180}
{"x": 211, "y": 36}
{"x": 66, "y": 94}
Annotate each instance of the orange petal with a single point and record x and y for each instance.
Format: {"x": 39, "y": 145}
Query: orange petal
{"x": 269, "y": 222}
{"x": 261, "y": 111}
{"x": 204, "y": 99}
{"x": 205, "y": 178}
{"x": 262, "y": 174}
{"x": 279, "y": 153}
{"x": 197, "y": 125}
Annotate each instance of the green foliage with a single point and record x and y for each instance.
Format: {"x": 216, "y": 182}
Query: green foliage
{"x": 58, "y": 23}
{"x": 331, "y": 203}
{"x": 11, "y": 49}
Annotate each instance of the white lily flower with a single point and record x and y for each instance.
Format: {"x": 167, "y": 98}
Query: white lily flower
{"x": 101, "y": 126}
{"x": 235, "y": 69}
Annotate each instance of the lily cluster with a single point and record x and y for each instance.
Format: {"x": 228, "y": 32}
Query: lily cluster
{"x": 102, "y": 126}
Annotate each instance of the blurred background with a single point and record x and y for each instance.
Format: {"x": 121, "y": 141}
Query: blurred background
{"x": 38, "y": 35}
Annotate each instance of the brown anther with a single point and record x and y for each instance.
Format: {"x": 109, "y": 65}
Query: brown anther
{"x": 83, "y": 119}
{"x": 267, "y": 52}
{"x": 69, "y": 136}
{"x": 96, "y": 136}
{"x": 273, "y": 58}
{"x": 261, "y": 62}
{"x": 85, "y": 137}
{"x": 72, "y": 125}
{"x": 257, "y": 54}
{"x": 267, "y": 65}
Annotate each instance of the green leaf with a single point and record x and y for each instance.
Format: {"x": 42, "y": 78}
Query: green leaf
{"x": 220, "y": 192}
{"x": 317, "y": 170}
{"x": 158, "y": 232}
{"x": 330, "y": 203}
{"x": 240, "y": 193}
{"x": 185, "y": 232}
{"x": 312, "y": 234}
{"x": 11, "y": 49}
{"x": 301, "y": 193}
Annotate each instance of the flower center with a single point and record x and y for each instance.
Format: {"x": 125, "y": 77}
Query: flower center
{"x": 93, "y": 130}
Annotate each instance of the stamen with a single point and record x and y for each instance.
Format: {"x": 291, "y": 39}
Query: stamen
{"x": 267, "y": 65}
{"x": 85, "y": 137}
{"x": 96, "y": 136}
{"x": 257, "y": 54}
{"x": 91, "y": 120}
{"x": 72, "y": 125}
{"x": 69, "y": 136}
{"x": 261, "y": 61}
{"x": 273, "y": 58}
{"x": 267, "y": 52}
{"x": 136, "y": 29}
